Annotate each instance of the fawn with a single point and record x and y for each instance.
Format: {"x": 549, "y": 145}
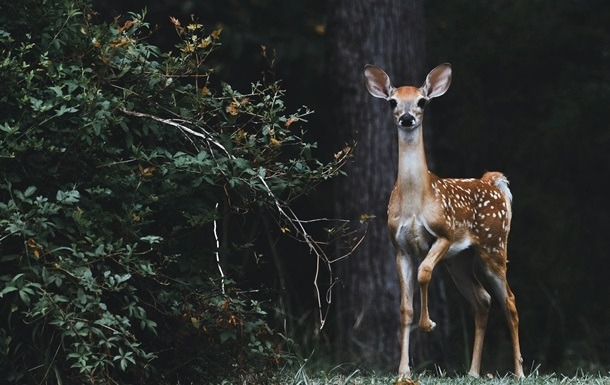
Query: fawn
{"x": 434, "y": 218}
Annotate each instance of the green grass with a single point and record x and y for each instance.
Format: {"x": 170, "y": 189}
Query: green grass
{"x": 301, "y": 377}
{"x": 357, "y": 379}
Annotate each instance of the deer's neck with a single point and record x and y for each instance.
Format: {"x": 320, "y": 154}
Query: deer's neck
{"x": 413, "y": 181}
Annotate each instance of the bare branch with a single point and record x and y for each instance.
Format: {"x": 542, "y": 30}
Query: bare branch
{"x": 173, "y": 122}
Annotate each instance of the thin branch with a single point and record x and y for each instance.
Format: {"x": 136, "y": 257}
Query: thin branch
{"x": 205, "y": 135}
{"x": 313, "y": 247}
{"x": 222, "y": 274}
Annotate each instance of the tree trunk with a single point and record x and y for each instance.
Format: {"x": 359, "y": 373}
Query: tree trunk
{"x": 389, "y": 34}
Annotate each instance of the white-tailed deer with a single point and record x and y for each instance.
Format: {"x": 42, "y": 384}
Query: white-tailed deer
{"x": 432, "y": 218}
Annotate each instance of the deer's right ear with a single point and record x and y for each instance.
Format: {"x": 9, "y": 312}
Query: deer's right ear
{"x": 377, "y": 82}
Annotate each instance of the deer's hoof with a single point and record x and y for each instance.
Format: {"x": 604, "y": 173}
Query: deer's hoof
{"x": 427, "y": 326}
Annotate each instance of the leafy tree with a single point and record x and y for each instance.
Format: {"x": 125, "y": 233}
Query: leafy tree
{"x": 130, "y": 178}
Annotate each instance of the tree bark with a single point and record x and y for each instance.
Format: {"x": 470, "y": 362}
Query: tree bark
{"x": 389, "y": 34}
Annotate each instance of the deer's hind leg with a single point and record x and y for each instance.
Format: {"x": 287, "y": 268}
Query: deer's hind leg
{"x": 494, "y": 266}
{"x": 461, "y": 268}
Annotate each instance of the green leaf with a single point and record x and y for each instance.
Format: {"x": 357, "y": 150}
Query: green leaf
{"x": 226, "y": 335}
{"x": 7, "y": 289}
{"x": 29, "y": 191}
{"x": 57, "y": 90}
{"x": 68, "y": 197}
{"x": 63, "y": 109}
{"x": 24, "y": 297}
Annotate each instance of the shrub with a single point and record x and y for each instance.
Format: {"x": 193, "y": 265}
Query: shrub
{"x": 119, "y": 163}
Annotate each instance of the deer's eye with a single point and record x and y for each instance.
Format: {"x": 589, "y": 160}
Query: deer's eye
{"x": 392, "y": 103}
{"x": 421, "y": 103}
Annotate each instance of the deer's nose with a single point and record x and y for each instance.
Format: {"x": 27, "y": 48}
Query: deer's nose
{"x": 406, "y": 120}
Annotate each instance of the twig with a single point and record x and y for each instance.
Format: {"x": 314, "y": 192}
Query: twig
{"x": 222, "y": 274}
{"x": 205, "y": 135}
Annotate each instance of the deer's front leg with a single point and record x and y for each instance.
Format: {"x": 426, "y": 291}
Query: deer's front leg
{"x": 406, "y": 276}
{"x": 424, "y": 274}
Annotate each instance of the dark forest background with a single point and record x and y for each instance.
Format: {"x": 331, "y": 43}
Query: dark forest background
{"x": 530, "y": 97}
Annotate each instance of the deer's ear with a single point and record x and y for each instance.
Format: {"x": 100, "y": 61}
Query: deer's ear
{"x": 437, "y": 81}
{"x": 377, "y": 82}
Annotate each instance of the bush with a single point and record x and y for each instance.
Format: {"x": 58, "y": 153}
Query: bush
{"x": 119, "y": 165}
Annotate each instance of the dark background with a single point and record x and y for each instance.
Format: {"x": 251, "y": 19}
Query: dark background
{"x": 530, "y": 97}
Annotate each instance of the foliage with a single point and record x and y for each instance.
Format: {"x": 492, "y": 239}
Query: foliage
{"x": 120, "y": 164}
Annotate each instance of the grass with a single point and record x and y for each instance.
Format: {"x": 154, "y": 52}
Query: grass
{"x": 302, "y": 377}
{"x": 358, "y": 379}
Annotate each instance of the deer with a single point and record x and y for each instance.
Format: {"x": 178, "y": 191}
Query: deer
{"x": 432, "y": 219}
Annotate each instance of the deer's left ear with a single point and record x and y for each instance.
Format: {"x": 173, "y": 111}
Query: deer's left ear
{"x": 437, "y": 81}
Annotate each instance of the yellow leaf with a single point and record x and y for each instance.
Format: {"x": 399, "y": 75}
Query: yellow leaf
{"x": 216, "y": 33}
{"x": 233, "y": 108}
{"x": 275, "y": 142}
{"x": 31, "y": 243}
{"x": 290, "y": 121}
{"x": 128, "y": 24}
{"x": 146, "y": 171}
{"x": 192, "y": 27}
{"x": 240, "y": 135}
{"x": 195, "y": 322}
{"x": 174, "y": 21}
{"x": 205, "y": 42}
{"x": 188, "y": 48}
{"x": 346, "y": 150}
{"x": 365, "y": 217}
